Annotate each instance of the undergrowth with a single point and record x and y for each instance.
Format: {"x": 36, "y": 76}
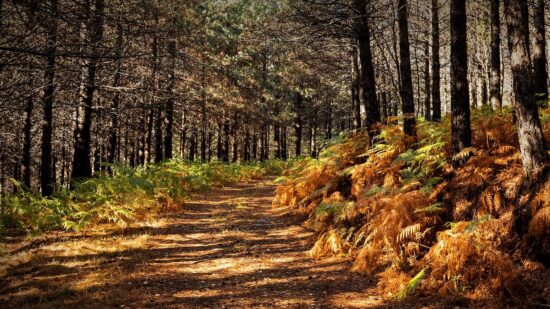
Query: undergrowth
{"x": 123, "y": 196}
{"x": 401, "y": 211}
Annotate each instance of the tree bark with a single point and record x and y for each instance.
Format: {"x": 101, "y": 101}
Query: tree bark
{"x": 46, "y": 175}
{"x": 147, "y": 143}
{"x": 540, "y": 74}
{"x": 113, "y": 139}
{"x": 355, "y": 91}
{"x": 368, "y": 81}
{"x": 436, "y": 64}
{"x": 494, "y": 71}
{"x": 169, "y": 116}
{"x": 531, "y": 139}
{"x": 298, "y": 123}
{"x": 460, "y": 107}
{"x": 159, "y": 139}
{"x": 407, "y": 99}
{"x": 427, "y": 86}
{"x": 82, "y": 167}
{"x": 27, "y": 143}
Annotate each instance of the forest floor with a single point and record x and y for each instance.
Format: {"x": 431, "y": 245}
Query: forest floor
{"x": 225, "y": 249}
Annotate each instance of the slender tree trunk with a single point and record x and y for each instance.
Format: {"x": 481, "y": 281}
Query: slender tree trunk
{"x": 355, "y": 91}
{"x": 298, "y": 123}
{"x": 246, "y": 150}
{"x": 114, "y": 139}
{"x": 255, "y": 145}
{"x": 427, "y": 86}
{"x": 203, "y": 124}
{"x": 82, "y": 160}
{"x": 494, "y": 71}
{"x": 531, "y": 139}
{"x": 63, "y": 157}
{"x": 219, "y": 144}
{"x": 267, "y": 151}
{"x": 407, "y": 99}
{"x": 540, "y": 76}
{"x": 148, "y": 139}
{"x": 277, "y": 140}
{"x": 483, "y": 78}
{"x": 183, "y": 133}
{"x": 284, "y": 142}
{"x": 368, "y": 81}
{"x": 169, "y": 117}
{"x": 235, "y": 137}
{"x": 27, "y": 143}
{"x": 193, "y": 145}
{"x": 159, "y": 140}
{"x": 46, "y": 175}
{"x": 384, "y": 100}
{"x": 226, "y": 131}
{"x": 461, "y": 131}
{"x": 209, "y": 146}
{"x": 328, "y": 122}
{"x": 436, "y": 65}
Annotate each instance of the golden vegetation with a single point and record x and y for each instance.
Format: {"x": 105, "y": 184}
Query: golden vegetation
{"x": 403, "y": 213}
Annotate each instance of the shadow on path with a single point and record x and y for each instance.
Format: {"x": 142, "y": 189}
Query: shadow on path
{"x": 226, "y": 249}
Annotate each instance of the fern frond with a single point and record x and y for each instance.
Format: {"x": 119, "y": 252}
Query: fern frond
{"x": 412, "y": 285}
{"x": 407, "y": 232}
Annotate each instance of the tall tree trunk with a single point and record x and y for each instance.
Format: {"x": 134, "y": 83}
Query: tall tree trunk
{"x": 368, "y": 81}
{"x": 246, "y": 148}
{"x": 27, "y": 143}
{"x": 355, "y": 91}
{"x": 298, "y": 123}
{"x": 255, "y": 145}
{"x": 147, "y": 143}
{"x": 46, "y": 175}
{"x": 63, "y": 157}
{"x": 209, "y": 146}
{"x": 407, "y": 99}
{"x": 482, "y": 76}
{"x": 328, "y": 122}
{"x": 159, "y": 140}
{"x": 193, "y": 145}
{"x": 277, "y": 140}
{"x": 284, "y": 135}
{"x": 219, "y": 143}
{"x": 157, "y": 106}
{"x": 226, "y": 132}
{"x": 114, "y": 139}
{"x": 494, "y": 71}
{"x": 540, "y": 76}
{"x": 313, "y": 136}
{"x": 169, "y": 116}
{"x": 460, "y": 101}
{"x": 183, "y": 133}
{"x": 82, "y": 160}
{"x": 427, "y": 86}
{"x": 531, "y": 139}
{"x": 436, "y": 64}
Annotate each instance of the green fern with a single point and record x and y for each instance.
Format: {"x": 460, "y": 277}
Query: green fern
{"x": 412, "y": 286}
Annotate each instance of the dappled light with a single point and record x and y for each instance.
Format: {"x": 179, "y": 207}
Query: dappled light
{"x": 274, "y": 154}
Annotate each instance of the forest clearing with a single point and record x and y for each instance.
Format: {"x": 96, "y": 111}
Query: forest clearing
{"x": 274, "y": 154}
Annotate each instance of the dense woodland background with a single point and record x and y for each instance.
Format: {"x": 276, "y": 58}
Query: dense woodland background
{"x": 86, "y": 82}
{"x": 413, "y": 134}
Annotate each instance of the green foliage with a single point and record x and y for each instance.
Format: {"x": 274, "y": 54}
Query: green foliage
{"x": 379, "y": 190}
{"x": 412, "y": 285}
{"x": 126, "y": 195}
{"x": 337, "y": 210}
{"x": 432, "y": 209}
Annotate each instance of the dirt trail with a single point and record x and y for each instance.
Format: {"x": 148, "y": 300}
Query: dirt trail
{"x": 226, "y": 249}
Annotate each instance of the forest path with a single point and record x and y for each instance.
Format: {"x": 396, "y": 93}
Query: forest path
{"x": 226, "y": 249}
